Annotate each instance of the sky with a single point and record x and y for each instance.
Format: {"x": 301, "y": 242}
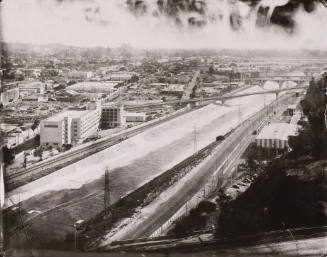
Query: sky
{"x": 206, "y": 24}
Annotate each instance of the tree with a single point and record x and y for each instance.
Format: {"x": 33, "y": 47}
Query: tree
{"x": 306, "y": 106}
{"x": 25, "y": 159}
{"x": 35, "y": 124}
{"x": 206, "y": 206}
{"x": 211, "y": 69}
{"x": 251, "y": 157}
{"x": 103, "y": 126}
{"x": 311, "y": 138}
{"x": 8, "y": 155}
{"x": 222, "y": 198}
{"x": 301, "y": 144}
{"x": 134, "y": 78}
{"x": 39, "y": 152}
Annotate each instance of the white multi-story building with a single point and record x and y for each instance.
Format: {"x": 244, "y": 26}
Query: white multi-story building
{"x": 69, "y": 127}
{"x": 55, "y": 130}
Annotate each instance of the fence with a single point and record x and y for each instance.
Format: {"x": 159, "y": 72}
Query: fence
{"x": 220, "y": 172}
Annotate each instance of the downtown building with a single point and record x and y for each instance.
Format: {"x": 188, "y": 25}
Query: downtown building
{"x": 69, "y": 127}
{"x": 112, "y": 116}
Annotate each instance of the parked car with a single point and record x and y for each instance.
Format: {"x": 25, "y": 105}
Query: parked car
{"x": 220, "y": 138}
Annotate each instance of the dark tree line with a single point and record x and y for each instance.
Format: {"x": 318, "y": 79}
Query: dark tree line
{"x": 277, "y": 199}
{"x": 312, "y": 137}
{"x": 8, "y": 155}
{"x": 196, "y": 220}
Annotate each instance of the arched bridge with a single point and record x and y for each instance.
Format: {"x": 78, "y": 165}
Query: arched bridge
{"x": 300, "y": 80}
{"x": 213, "y": 98}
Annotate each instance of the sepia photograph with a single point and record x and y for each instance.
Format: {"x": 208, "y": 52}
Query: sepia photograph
{"x": 163, "y": 128}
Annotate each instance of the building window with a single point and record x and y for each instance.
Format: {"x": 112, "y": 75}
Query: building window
{"x": 51, "y": 126}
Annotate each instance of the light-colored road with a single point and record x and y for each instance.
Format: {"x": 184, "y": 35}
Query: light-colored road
{"x": 190, "y": 185}
{"x": 189, "y": 88}
{"x": 138, "y": 159}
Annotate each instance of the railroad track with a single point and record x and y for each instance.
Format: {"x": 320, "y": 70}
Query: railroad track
{"x": 48, "y": 166}
{"x": 164, "y": 243}
{"x": 38, "y": 170}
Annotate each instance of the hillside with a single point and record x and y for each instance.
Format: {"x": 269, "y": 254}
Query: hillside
{"x": 292, "y": 192}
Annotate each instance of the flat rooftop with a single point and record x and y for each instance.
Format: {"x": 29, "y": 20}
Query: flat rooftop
{"x": 69, "y": 113}
{"x": 31, "y": 84}
{"x": 134, "y": 114}
{"x": 279, "y": 131}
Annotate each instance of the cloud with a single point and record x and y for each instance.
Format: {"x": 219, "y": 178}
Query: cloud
{"x": 167, "y": 24}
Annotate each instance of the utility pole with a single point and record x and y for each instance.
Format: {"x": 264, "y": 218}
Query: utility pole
{"x": 106, "y": 191}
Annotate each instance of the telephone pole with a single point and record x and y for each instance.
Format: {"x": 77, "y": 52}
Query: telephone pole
{"x": 106, "y": 191}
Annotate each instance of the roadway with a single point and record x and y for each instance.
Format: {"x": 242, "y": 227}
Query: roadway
{"x": 19, "y": 177}
{"x": 195, "y": 180}
{"x": 214, "y": 98}
{"x": 172, "y": 135}
{"x": 132, "y": 163}
{"x": 189, "y": 89}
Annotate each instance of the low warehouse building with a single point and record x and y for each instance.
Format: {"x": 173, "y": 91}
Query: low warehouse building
{"x": 275, "y": 136}
{"x": 135, "y": 117}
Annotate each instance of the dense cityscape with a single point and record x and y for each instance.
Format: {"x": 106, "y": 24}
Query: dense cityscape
{"x": 65, "y": 107}
{"x": 163, "y": 128}
{"x": 55, "y": 98}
